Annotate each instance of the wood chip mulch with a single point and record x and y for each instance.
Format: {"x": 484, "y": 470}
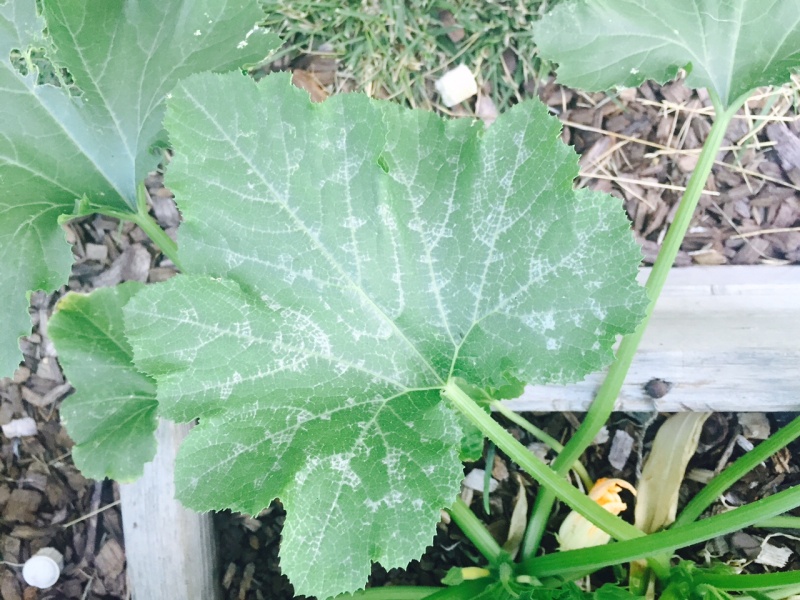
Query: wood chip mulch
{"x": 643, "y": 145}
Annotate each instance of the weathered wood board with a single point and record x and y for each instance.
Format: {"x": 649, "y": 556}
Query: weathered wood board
{"x": 171, "y": 551}
{"x": 727, "y": 338}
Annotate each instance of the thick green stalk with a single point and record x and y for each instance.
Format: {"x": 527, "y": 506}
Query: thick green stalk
{"x": 603, "y": 404}
{"x": 466, "y": 590}
{"x": 784, "y": 593}
{"x": 613, "y": 525}
{"x": 158, "y": 236}
{"x": 475, "y": 530}
{"x": 740, "y": 583}
{"x": 142, "y": 218}
{"x": 717, "y": 486}
{"x": 667, "y": 541}
{"x": 509, "y": 414}
{"x": 393, "y": 593}
{"x": 783, "y": 522}
{"x": 153, "y": 230}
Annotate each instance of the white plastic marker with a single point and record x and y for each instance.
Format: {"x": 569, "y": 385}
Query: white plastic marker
{"x": 20, "y": 428}
{"x": 43, "y": 569}
{"x": 456, "y": 86}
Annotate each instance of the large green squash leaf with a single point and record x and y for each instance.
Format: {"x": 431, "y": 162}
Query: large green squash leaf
{"x": 57, "y": 147}
{"x": 348, "y": 259}
{"x": 112, "y": 415}
{"x": 727, "y": 46}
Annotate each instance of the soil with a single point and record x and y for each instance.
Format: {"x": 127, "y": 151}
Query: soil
{"x": 645, "y": 140}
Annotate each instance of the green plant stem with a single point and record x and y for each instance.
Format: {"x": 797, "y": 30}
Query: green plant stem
{"x": 784, "y": 522}
{"x": 790, "y": 591}
{"x": 613, "y": 525}
{"x": 603, "y": 404}
{"x": 463, "y": 591}
{"x": 153, "y": 230}
{"x": 142, "y": 218}
{"x": 159, "y": 237}
{"x": 597, "y": 515}
{"x": 393, "y": 593}
{"x": 662, "y": 542}
{"x": 487, "y": 478}
{"x": 475, "y": 530}
{"x": 509, "y": 414}
{"x": 717, "y": 486}
{"x": 748, "y": 582}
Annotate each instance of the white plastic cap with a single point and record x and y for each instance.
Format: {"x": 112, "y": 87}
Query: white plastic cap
{"x": 43, "y": 569}
{"x": 456, "y": 86}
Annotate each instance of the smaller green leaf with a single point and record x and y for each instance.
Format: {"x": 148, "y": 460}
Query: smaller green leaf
{"x": 112, "y": 415}
{"x": 727, "y": 46}
{"x": 471, "y": 442}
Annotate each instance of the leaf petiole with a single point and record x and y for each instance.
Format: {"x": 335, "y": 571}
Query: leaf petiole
{"x": 541, "y": 435}
{"x": 760, "y": 581}
{"x": 736, "y": 471}
{"x": 664, "y": 541}
{"x": 392, "y": 593}
{"x": 782, "y": 522}
{"x": 153, "y": 230}
{"x": 475, "y": 530}
{"x": 141, "y": 218}
{"x": 576, "y": 500}
{"x": 603, "y": 404}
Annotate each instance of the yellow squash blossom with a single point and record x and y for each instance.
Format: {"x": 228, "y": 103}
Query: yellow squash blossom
{"x": 576, "y": 532}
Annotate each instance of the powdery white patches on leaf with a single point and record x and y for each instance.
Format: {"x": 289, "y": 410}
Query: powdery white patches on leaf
{"x": 353, "y": 222}
{"x": 302, "y": 333}
{"x": 258, "y": 442}
{"x": 366, "y": 289}
{"x": 392, "y": 460}
{"x": 540, "y": 321}
{"x": 387, "y": 217}
{"x": 340, "y": 463}
{"x": 302, "y": 416}
{"x": 227, "y": 388}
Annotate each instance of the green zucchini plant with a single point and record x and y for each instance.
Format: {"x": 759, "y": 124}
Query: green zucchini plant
{"x": 359, "y": 283}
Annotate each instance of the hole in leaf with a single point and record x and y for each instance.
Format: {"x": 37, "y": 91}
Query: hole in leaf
{"x": 35, "y": 60}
